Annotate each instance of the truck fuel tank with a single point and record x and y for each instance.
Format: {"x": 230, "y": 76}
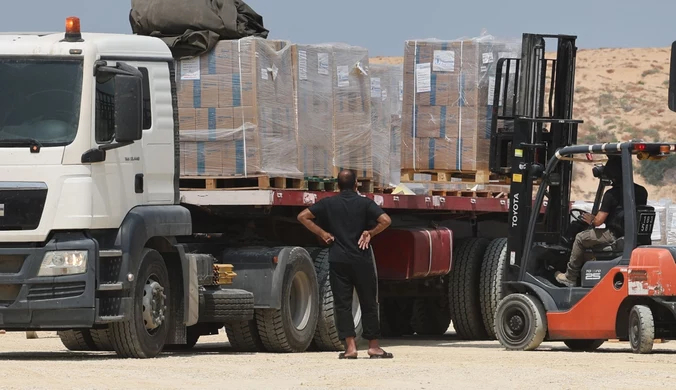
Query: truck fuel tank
{"x": 413, "y": 253}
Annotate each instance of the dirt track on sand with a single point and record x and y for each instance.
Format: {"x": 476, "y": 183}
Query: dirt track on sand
{"x": 418, "y": 364}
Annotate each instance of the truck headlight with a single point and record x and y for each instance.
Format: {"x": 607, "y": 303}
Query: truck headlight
{"x": 63, "y": 263}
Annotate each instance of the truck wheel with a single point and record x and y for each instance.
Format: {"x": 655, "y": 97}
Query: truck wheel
{"x": 395, "y": 317}
{"x": 583, "y": 345}
{"x": 326, "y": 333}
{"x": 431, "y": 316}
{"x": 520, "y": 322}
{"x": 102, "y": 339}
{"x": 463, "y": 289}
{"x": 77, "y": 340}
{"x": 223, "y": 306}
{"x": 243, "y": 336}
{"x": 641, "y": 329}
{"x": 292, "y": 328}
{"x": 143, "y": 334}
{"x": 490, "y": 288}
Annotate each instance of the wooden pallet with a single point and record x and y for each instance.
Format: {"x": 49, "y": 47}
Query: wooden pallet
{"x": 479, "y": 177}
{"x": 329, "y": 184}
{"x": 470, "y": 194}
{"x": 256, "y": 182}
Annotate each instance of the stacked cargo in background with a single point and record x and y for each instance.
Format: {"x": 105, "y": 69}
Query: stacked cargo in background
{"x": 334, "y": 109}
{"x": 448, "y": 101}
{"x": 236, "y": 111}
{"x": 386, "y": 103}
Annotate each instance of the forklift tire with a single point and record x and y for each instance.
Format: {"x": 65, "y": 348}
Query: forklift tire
{"x": 520, "y": 322}
{"x": 136, "y": 337}
{"x": 584, "y": 345}
{"x": 77, "y": 340}
{"x": 292, "y": 327}
{"x": 641, "y": 329}
{"x": 492, "y": 275}
{"x": 463, "y": 289}
{"x": 326, "y": 334}
{"x": 243, "y": 336}
{"x": 431, "y": 316}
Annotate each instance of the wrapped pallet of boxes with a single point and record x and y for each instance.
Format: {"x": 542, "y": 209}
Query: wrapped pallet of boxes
{"x": 236, "y": 111}
{"x": 448, "y": 103}
{"x": 352, "y": 134}
{"x": 334, "y": 109}
{"x": 314, "y": 99}
{"x": 385, "y": 108}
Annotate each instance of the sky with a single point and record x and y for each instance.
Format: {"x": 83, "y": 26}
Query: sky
{"x": 382, "y": 26}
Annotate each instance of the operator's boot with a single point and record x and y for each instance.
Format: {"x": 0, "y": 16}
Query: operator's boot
{"x": 565, "y": 279}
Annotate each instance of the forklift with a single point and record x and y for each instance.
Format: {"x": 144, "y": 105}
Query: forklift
{"x": 627, "y": 289}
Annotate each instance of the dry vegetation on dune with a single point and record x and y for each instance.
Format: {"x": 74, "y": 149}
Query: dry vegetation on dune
{"x": 621, "y": 94}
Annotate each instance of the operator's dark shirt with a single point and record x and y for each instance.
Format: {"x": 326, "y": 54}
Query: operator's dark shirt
{"x": 612, "y": 204}
{"x": 346, "y": 216}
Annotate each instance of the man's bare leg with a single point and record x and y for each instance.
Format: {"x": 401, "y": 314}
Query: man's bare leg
{"x": 351, "y": 348}
{"x": 374, "y": 348}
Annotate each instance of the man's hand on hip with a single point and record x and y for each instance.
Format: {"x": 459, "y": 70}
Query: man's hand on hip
{"x": 327, "y": 237}
{"x": 364, "y": 240}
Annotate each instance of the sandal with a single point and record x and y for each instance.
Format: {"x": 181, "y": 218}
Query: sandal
{"x": 384, "y": 355}
{"x": 342, "y": 356}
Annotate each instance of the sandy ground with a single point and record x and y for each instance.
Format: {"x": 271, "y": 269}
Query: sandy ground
{"x": 418, "y": 364}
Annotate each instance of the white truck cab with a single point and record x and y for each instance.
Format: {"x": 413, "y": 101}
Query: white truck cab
{"x": 89, "y": 200}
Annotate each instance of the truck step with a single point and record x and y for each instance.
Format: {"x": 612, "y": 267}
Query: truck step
{"x": 110, "y": 287}
{"x": 104, "y": 319}
{"x": 110, "y": 253}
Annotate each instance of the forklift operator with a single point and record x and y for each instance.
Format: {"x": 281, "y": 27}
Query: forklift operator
{"x": 609, "y": 214}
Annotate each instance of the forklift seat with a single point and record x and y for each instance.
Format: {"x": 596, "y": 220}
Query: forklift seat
{"x": 608, "y": 251}
{"x": 645, "y": 217}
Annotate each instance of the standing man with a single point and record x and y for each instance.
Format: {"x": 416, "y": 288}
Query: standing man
{"x": 347, "y": 217}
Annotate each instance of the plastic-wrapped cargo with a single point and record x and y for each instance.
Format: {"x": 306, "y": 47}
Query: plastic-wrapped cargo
{"x": 671, "y": 225}
{"x": 448, "y": 101}
{"x": 236, "y": 111}
{"x": 314, "y": 99}
{"x": 385, "y": 108}
{"x": 352, "y": 135}
{"x": 334, "y": 109}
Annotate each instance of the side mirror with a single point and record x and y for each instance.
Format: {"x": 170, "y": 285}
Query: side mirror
{"x": 672, "y": 79}
{"x": 128, "y": 108}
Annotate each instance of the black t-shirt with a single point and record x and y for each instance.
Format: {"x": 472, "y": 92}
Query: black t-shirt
{"x": 346, "y": 216}
{"x": 612, "y": 204}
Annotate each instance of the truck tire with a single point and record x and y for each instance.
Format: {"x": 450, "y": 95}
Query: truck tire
{"x": 326, "y": 333}
{"x": 77, "y": 340}
{"x": 431, "y": 316}
{"x": 395, "y": 317}
{"x": 224, "y": 306}
{"x": 243, "y": 336}
{"x": 493, "y": 271}
{"x": 102, "y": 339}
{"x": 143, "y": 333}
{"x": 463, "y": 289}
{"x": 292, "y": 328}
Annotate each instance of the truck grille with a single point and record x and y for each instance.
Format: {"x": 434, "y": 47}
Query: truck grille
{"x": 39, "y": 292}
{"x": 21, "y": 205}
{"x": 11, "y": 264}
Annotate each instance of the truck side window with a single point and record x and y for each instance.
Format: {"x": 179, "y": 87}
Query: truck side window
{"x": 147, "y": 109}
{"x": 105, "y": 110}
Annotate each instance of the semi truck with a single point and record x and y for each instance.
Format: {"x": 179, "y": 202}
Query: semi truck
{"x": 99, "y": 243}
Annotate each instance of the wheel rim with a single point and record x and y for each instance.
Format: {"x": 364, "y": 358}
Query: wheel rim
{"x": 634, "y": 331}
{"x": 300, "y": 300}
{"x": 356, "y": 308}
{"x": 515, "y": 324}
{"x": 154, "y": 305}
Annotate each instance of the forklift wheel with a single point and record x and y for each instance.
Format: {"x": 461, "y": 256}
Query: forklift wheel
{"x": 520, "y": 322}
{"x": 584, "y": 345}
{"x": 641, "y": 329}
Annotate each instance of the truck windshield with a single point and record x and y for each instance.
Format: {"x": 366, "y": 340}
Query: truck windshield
{"x": 39, "y": 101}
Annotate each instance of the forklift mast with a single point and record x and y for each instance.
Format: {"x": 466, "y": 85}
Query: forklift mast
{"x": 532, "y": 119}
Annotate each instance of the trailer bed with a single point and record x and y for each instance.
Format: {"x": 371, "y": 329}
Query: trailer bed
{"x": 297, "y": 198}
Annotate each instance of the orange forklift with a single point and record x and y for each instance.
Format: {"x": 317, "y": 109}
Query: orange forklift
{"x": 627, "y": 289}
